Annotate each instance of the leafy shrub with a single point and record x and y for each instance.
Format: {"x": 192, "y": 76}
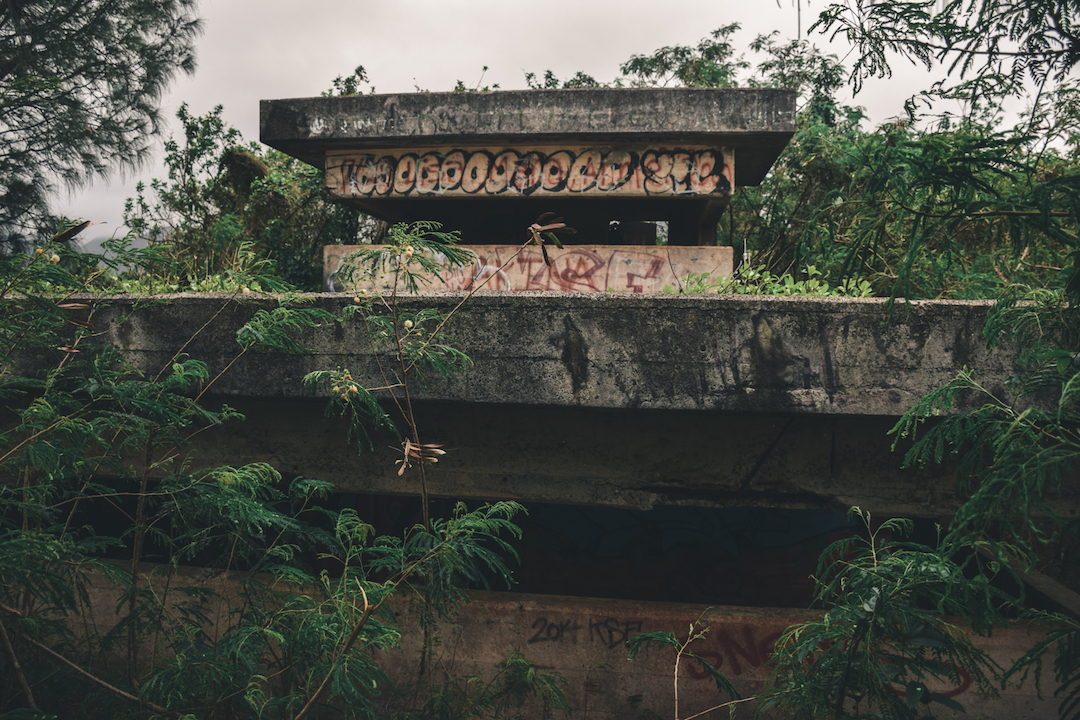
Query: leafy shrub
{"x": 757, "y": 281}
{"x": 886, "y": 633}
{"x": 230, "y": 208}
{"x": 87, "y": 434}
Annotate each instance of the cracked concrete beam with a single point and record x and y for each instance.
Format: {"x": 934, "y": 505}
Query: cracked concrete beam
{"x": 816, "y": 356}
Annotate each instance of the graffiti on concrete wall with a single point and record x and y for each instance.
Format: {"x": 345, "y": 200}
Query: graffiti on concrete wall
{"x": 609, "y": 632}
{"x": 588, "y": 269}
{"x": 737, "y": 649}
{"x": 612, "y": 632}
{"x": 660, "y": 171}
{"x": 582, "y": 268}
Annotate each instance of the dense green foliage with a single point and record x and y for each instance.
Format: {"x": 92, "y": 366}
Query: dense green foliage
{"x": 966, "y": 186}
{"x": 991, "y": 47}
{"x": 1015, "y": 448}
{"x": 231, "y": 208}
{"x": 887, "y": 631}
{"x": 89, "y": 437}
{"x": 711, "y": 64}
{"x": 944, "y": 206}
{"x": 1016, "y": 452}
{"x": 953, "y": 202}
{"x": 80, "y": 84}
{"x": 947, "y": 213}
{"x": 748, "y": 280}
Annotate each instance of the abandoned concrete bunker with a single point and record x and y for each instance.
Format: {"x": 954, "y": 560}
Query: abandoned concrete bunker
{"x": 675, "y": 452}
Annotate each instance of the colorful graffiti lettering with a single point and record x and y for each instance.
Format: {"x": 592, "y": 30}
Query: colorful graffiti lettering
{"x": 653, "y": 171}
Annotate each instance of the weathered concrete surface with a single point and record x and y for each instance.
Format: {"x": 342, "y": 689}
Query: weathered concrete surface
{"x": 800, "y": 356}
{"x": 583, "y": 639}
{"x": 757, "y": 123}
{"x": 577, "y": 268}
{"x": 620, "y": 458}
{"x": 618, "y": 400}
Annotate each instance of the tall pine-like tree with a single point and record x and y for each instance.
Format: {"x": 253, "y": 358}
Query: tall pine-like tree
{"x": 80, "y": 85}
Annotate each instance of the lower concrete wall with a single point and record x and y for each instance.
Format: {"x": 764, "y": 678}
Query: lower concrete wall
{"x": 584, "y": 640}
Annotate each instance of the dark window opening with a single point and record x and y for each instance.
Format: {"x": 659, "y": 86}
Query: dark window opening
{"x": 759, "y": 557}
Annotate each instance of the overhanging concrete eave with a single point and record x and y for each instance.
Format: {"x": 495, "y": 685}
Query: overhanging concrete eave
{"x": 755, "y": 122}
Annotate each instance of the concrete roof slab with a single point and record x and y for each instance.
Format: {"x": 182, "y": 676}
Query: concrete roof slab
{"x": 756, "y": 123}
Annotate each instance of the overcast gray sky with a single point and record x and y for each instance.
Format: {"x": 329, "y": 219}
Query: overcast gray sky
{"x": 294, "y": 48}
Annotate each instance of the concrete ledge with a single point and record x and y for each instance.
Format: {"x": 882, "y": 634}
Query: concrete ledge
{"x": 602, "y": 350}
